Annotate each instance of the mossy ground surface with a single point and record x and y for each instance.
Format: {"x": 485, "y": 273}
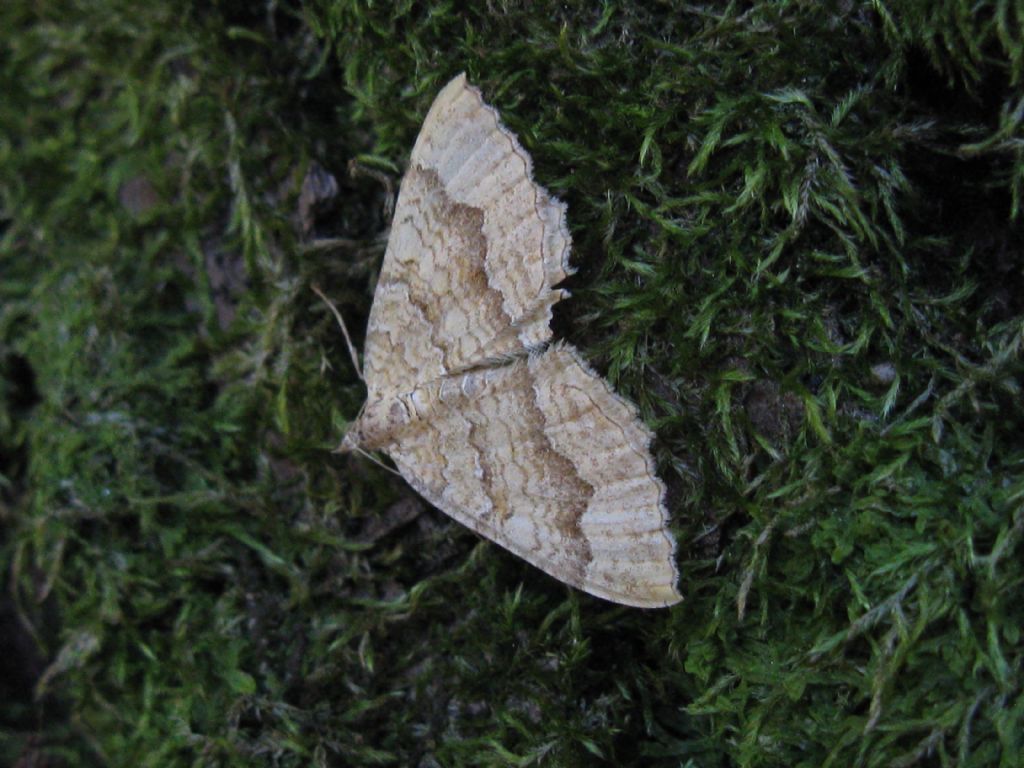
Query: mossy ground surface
{"x": 797, "y": 228}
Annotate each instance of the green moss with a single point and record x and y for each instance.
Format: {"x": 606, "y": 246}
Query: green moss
{"x": 797, "y": 232}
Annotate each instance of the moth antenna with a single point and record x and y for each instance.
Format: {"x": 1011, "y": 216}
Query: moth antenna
{"x": 377, "y": 461}
{"x": 344, "y": 330}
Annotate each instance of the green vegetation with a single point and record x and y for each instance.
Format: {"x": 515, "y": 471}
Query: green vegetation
{"x": 798, "y": 233}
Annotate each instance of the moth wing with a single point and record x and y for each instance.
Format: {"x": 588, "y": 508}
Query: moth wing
{"x": 475, "y": 248}
{"x": 541, "y": 457}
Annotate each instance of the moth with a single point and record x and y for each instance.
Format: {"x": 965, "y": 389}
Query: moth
{"x": 512, "y": 435}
